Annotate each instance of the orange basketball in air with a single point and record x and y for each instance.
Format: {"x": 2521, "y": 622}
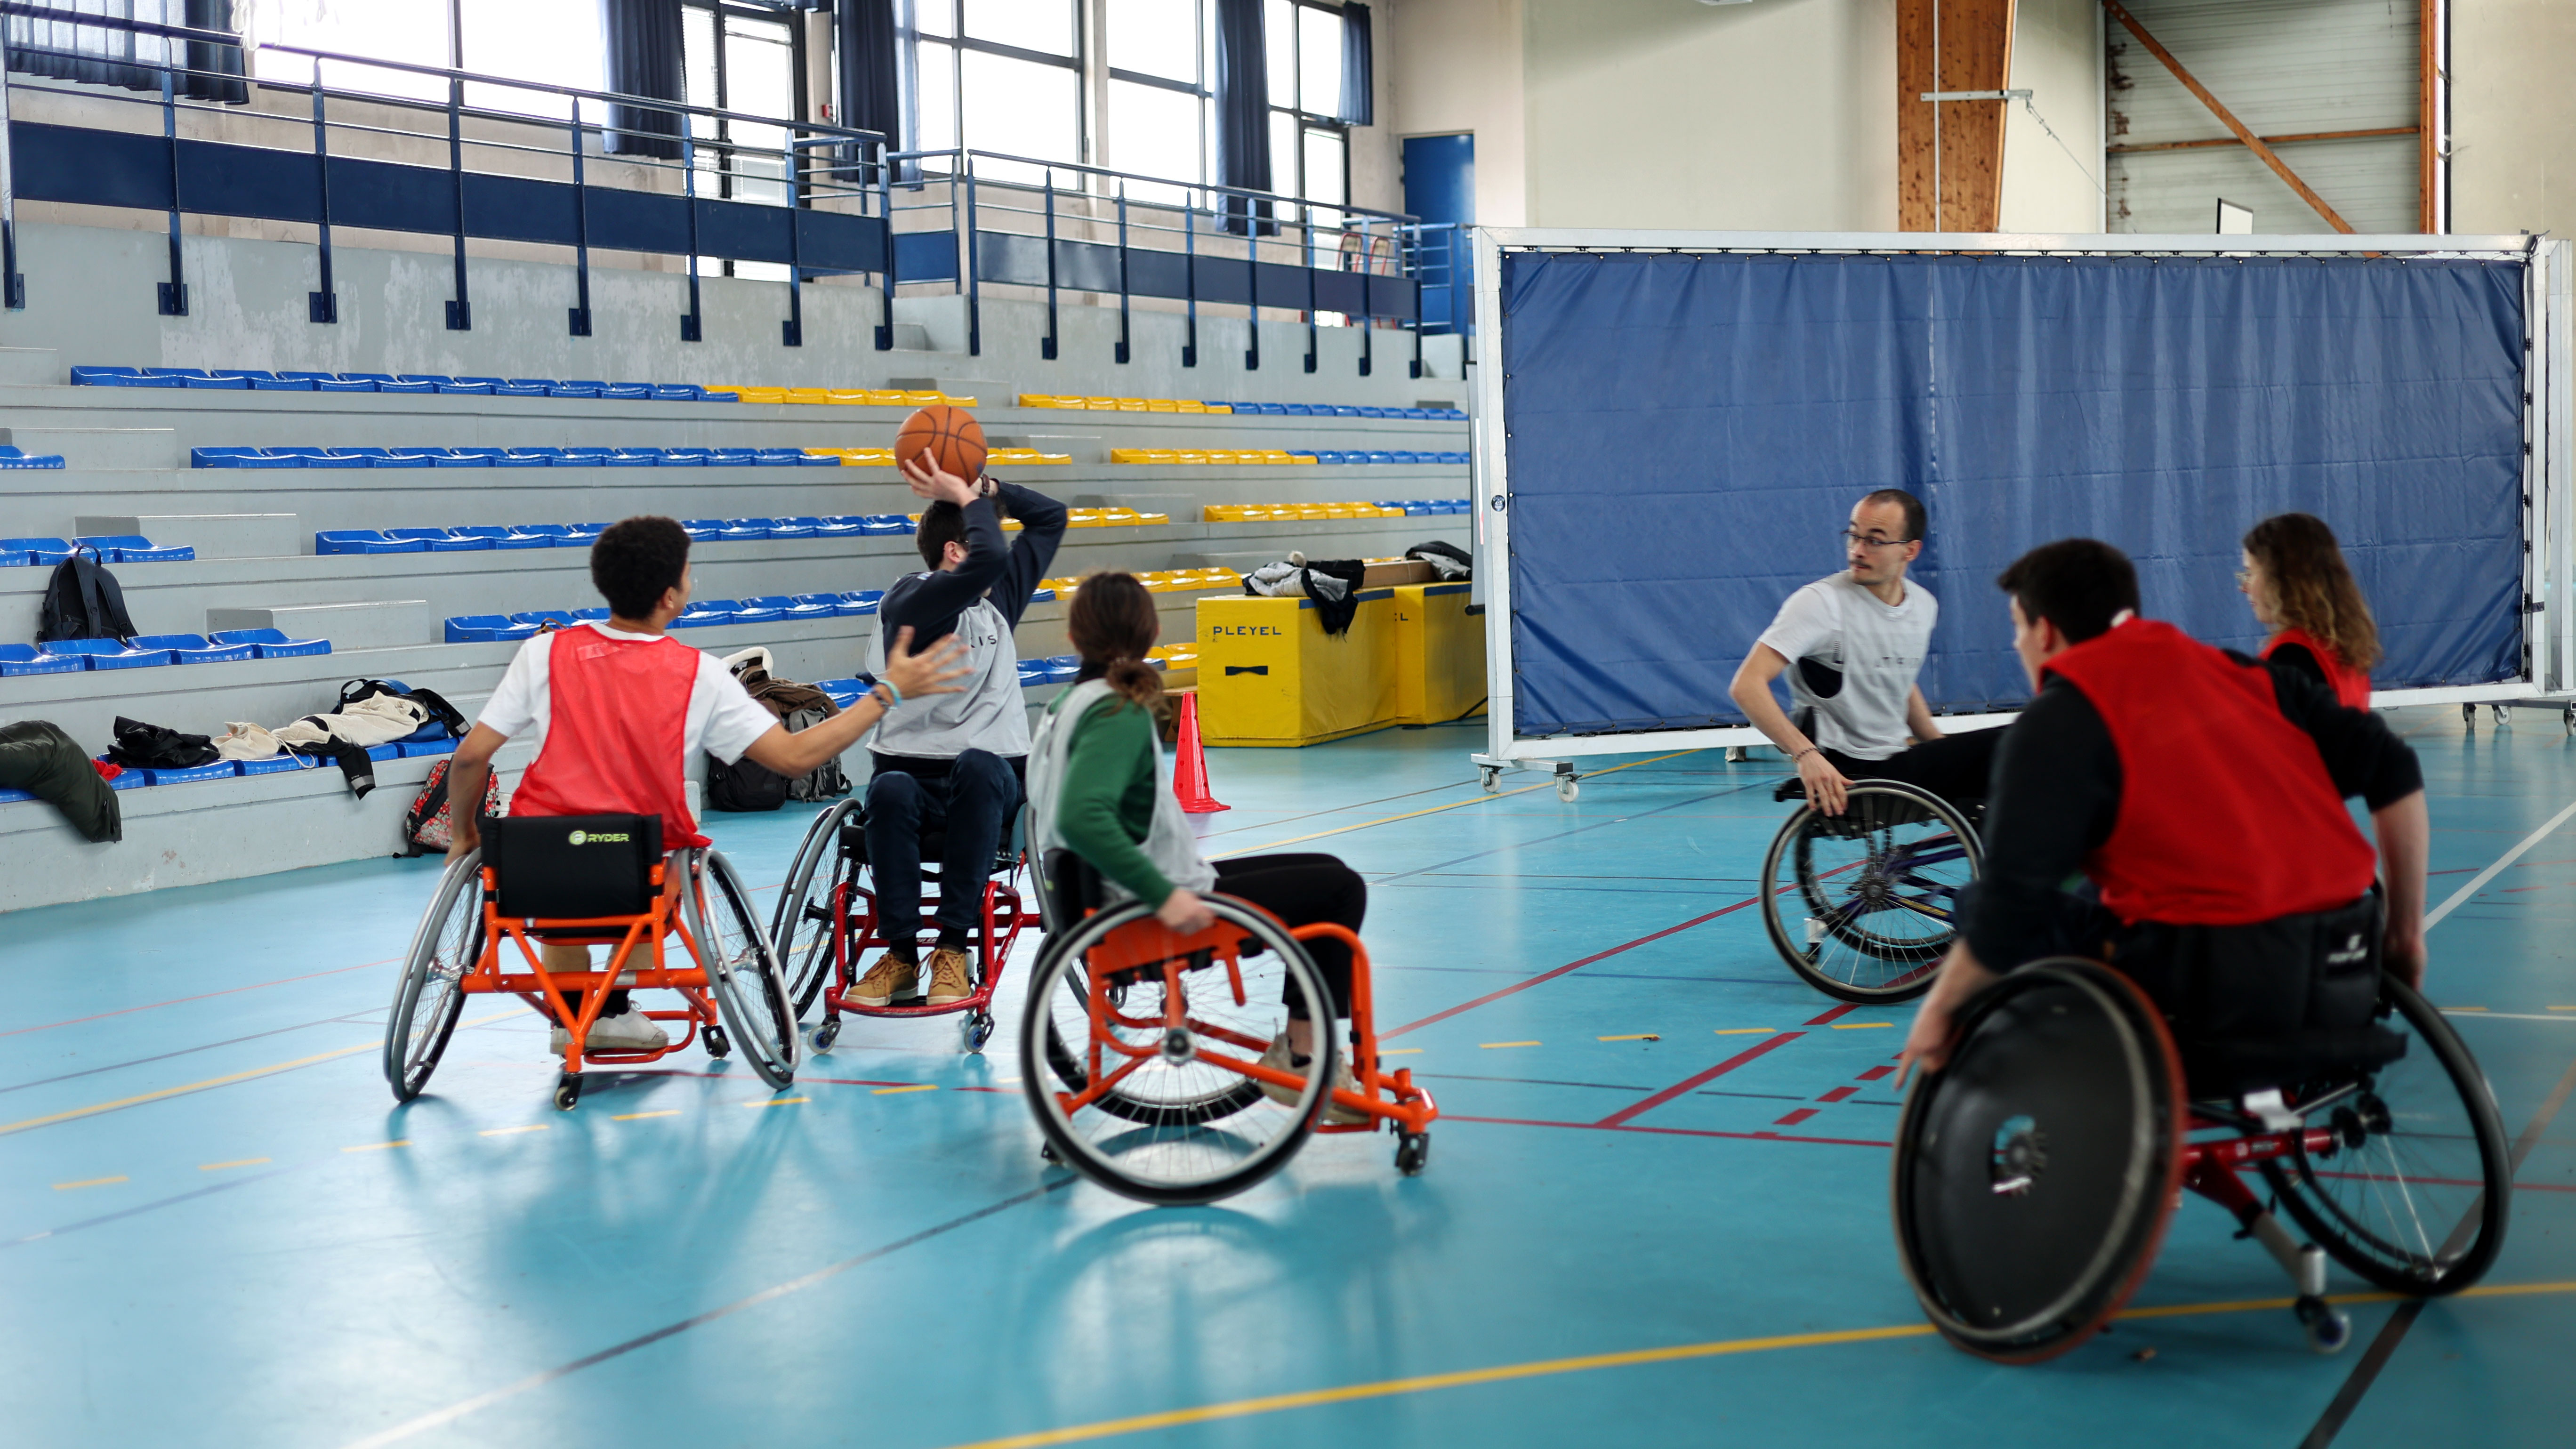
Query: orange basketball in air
{"x": 952, "y": 437}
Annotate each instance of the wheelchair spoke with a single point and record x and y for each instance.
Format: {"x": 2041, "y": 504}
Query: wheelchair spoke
{"x": 1864, "y": 903}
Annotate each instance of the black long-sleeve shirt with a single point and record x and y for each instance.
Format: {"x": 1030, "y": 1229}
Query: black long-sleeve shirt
{"x": 930, "y": 602}
{"x": 2057, "y": 789}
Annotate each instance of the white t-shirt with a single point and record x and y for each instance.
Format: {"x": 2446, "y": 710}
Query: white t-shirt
{"x": 723, "y": 717}
{"x": 1877, "y": 648}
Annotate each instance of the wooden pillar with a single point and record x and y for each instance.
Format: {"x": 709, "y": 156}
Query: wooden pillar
{"x": 1975, "y": 55}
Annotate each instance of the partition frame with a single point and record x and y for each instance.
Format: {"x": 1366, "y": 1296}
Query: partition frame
{"x": 2549, "y": 464}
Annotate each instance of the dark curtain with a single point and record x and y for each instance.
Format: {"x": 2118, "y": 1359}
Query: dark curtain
{"x": 643, "y": 60}
{"x": 98, "y": 55}
{"x": 1359, "y": 73}
{"x": 873, "y": 94}
{"x": 1243, "y": 113}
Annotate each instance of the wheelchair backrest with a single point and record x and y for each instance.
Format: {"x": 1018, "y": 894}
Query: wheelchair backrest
{"x": 1068, "y": 889}
{"x": 572, "y": 867}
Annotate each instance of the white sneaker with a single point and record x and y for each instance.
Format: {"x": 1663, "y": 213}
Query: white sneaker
{"x": 631, "y": 1032}
{"x": 1278, "y": 1058}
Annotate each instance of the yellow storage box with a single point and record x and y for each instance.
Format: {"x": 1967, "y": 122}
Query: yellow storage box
{"x": 1439, "y": 654}
{"x": 1269, "y": 675}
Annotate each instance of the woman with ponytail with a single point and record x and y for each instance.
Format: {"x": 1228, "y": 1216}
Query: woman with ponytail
{"x": 1096, "y": 788}
{"x": 2295, "y": 578}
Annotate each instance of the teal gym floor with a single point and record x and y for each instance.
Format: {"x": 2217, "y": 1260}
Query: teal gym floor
{"x": 1655, "y": 1212}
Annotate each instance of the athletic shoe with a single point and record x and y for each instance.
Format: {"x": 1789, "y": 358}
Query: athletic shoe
{"x": 891, "y": 977}
{"x": 1278, "y": 1059}
{"x": 948, "y": 977}
{"x": 631, "y": 1032}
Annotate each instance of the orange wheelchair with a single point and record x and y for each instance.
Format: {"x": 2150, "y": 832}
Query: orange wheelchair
{"x": 591, "y": 880}
{"x": 1140, "y": 1049}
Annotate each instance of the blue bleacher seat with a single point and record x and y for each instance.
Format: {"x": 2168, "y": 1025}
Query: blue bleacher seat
{"x": 580, "y": 457}
{"x": 575, "y": 387}
{"x": 387, "y": 382}
{"x": 238, "y": 458}
{"x": 780, "y": 457}
{"x": 364, "y": 540}
{"x": 705, "y": 614}
{"x": 831, "y": 603}
{"x": 861, "y": 601}
{"x": 626, "y": 390}
{"x": 796, "y": 606}
{"x": 443, "y": 540}
{"x": 279, "y": 764}
{"x": 817, "y": 460}
{"x": 219, "y": 770}
{"x": 880, "y": 524}
{"x": 18, "y": 659}
{"x": 743, "y": 530}
{"x": 415, "y": 749}
{"x": 1041, "y": 596}
{"x": 709, "y": 395}
{"x": 787, "y": 527}
{"x": 590, "y": 616}
{"x": 684, "y": 457}
{"x": 36, "y": 550}
{"x": 250, "y": 376}
{"x": 752, "y": 611}
{"x": 109, "y": 654}
{"x": 199, "y": 377}
{"x": 529, "y": 458}
{"x": 11, "y": 457}
{"x": 556, "y": 535}
{"x": 457, "y": 458}
{"x": 560, "y": 618}
{"x": 195, "y": 649}
{"x": 700, "y": 530}
{"x": 276, "y": 382}
{"x": 486, "y": 629}
{"x": 844, "y": 692}
{"x": 678, "y": 392}
{"x": 118, "y": 377}
{"x": 633, "y": 457}
{"x": 125, "y": 548}
{"x": 272, "y": 643}
{"x": 515, "y": 389}
{"x": 732, "y": 458}
{"x": 504, "y": 537}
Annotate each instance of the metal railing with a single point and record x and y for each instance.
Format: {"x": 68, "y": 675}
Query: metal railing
{"x": 850, "y": 206}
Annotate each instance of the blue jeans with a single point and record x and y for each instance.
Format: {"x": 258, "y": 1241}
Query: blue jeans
{"x": 971, "y": 805}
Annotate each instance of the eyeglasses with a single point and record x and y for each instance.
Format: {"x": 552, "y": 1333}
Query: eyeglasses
{"x": 1871, "y": 540}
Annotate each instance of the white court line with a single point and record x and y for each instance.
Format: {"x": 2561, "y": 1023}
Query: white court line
{"x": 2509, "y": 857}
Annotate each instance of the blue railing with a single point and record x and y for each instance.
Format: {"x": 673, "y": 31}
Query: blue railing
{"x": 822, "y": 201}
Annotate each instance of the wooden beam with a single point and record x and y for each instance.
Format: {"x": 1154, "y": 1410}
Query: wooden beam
{"x": 2253, "y": 143}
{"x": 1956, "y": 145}
{"x": 2268, "y": 140}
{"x": 2428, "y": 123}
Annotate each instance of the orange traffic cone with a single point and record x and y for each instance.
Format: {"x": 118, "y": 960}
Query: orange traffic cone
{"x": 1189, "y": 768}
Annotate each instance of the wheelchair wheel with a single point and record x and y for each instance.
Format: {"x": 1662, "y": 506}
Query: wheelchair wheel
{"x": 2034, "y": 1175}
{"x": 1174, "y": 1127}
{"x": 804, "y": 924}
{"x": 1861, "y": 905}
{"x": 750, "y": 990}
{"x": 2415, "y": 1192}
{"x": 430, "y": 996}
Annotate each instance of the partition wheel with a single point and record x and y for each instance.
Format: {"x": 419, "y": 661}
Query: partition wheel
{"x": 430, "y": 994}
{"x": 1487, "y": 776}
{"x": 2503, "y": 713}
{"x": 1566, "y": 788}
{"x": 2567, "y": 717}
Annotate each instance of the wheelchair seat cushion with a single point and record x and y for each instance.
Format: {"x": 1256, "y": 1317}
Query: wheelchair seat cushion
{"x": 573, "y": 867}
{"x": 2268, "y": 1004}
{"x": 2227, "y": 1069}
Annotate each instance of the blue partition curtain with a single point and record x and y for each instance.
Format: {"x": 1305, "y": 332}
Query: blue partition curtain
{"x": 1359, "y": 67}
{"x": 872, "y": 57}
{"x": 644, "y": 40}
{"x": 1687, "y": 434}
{"x": 1243, "y": 112}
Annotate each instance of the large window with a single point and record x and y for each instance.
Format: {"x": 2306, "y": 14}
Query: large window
{"x": 1002, "y": 76}
{"x": 741, "y": 58}
{"x": 1159, "y": 96}
{"x": 1309, "y": 145}
{"x": 553, "y": 42}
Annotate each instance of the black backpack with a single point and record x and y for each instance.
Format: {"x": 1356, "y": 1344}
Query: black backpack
{"x": 83, "y": 602}
{"x": 744, "y": 785}
{"x": 447, "y": 717}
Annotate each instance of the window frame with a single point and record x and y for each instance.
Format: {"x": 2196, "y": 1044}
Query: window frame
{"x": 723, "y": 171}
{"x": 910, "y": 34}
{"x": 1302, "y": 120}
{"x": 1203, "y": 90}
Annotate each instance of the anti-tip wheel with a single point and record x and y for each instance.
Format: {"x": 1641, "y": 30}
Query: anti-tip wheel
{"x": 567, "y": 1091}
{"x": 827, "y": 1033}
{"x": 717, "y": 1043}
{"x": 1412, "y": 1152}
{"x": 2329, "y": 1328}
{"x": 1567, "y": 790}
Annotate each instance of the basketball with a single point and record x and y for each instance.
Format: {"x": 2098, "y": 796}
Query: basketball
{"x": 952, "y": 437}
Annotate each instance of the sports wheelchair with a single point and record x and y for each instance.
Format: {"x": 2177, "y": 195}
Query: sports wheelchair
{"x": 1140, "y": 1048}
{"x": 2036, "y": 1172}
{"x": 827, "y": 922}
{"x": 1862, "y": 904}
{"x": 590, "y": 880}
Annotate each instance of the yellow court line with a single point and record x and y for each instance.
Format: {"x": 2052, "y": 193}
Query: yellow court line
{"x": 2464, "y": 1008}
{"x": 779, "y": 1102}
{"x": 2563, "y": 1008}
{"x": 638, "y": 1116}
{"x": 76, "y": 1113}
{"x": 1492, "y": 1045}
{"x": 236, "y": 1162}
{"x": 1401, "y": 1052}
{"x": 1860, "y": 1025}
{"x": 1641, "y": 1036}
{"x": 890, "y": 1091}
{"x": 1743, "y": 1031}
{"x": 506, "y": 1131}
{"x": 378, "y": 1146}
{"x": 90, "y": 1182}
{"x": 1389, "y": 1388}
{"x": 1436, "y": 809}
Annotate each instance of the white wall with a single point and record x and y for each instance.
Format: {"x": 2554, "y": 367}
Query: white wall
{"x": 2513, "y": 164}
{"x": 1456, "y": 66}
{"x": 2057, "y": 53}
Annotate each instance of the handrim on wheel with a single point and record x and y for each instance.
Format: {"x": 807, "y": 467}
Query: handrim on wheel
{"x": 427, "y": 998}
{"x": 1174, "y": 1122}
{"x": 1862, "y": 905}
{"x": 750, "y": 990}
{"x": 801, "y": 928}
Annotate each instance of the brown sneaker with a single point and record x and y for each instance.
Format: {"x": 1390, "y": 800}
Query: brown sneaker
{"x": 949, "y": 979}
{"x": 1278, "y": 1059}
{"x": 891, "y": 977}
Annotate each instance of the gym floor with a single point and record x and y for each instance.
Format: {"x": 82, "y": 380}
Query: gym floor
{"x": 1655, "y": 1211}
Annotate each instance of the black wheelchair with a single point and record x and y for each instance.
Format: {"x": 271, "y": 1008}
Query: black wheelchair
{"x": 1862, "y": 904}
{"x": 590, "y": 880}
{"x": 2036, "y": 1172}
{"x": 827, "y": 921}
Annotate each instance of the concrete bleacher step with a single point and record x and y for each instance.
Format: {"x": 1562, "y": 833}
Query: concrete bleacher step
{"x": 30, "y": 365}
{"x": 100, "y": 447}
{"x": 987, "y": 392}
{"x": 911, "y": 337}
{"x": 212, "y": 535}
{"x": 362, "y": 624}
{"x": 1082, "y": 448}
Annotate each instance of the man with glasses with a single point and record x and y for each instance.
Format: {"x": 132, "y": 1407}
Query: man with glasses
{"x": 1857, "y": 639}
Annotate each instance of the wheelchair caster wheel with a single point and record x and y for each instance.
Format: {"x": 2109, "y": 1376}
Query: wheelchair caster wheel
{"x": 1047, "y": 1154}
{"x": 567, "y": 1091}
{"x": 1566, "y": 789}
{"x": 2329, "y": 1328}
{"x": 717, "y": 1043}
{"x": 1412, "y": 1151}
{"x": 976, "y": 1030}
{"x": 1487, "y": 776}
{"x": 826, "y": 1034}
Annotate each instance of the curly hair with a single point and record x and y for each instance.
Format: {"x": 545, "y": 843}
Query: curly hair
{"x": 2312, "y": 590}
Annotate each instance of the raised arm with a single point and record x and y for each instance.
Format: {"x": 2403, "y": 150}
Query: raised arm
{"x": 1042, "y": 525}
{"x": 909, "y": 674}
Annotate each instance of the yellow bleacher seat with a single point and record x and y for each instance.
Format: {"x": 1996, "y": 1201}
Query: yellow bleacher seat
{"x": 762, "y": 394}
{"x": 1147, "y": 520}
{"x": 1190, "y": 456}
{"x": 846, "y": 396}
{"x": 1302, "y": 458}
{"x": 1161, "y": 405}
{"x": 1132, "y": 405}
{"x": 1184, "y": 405}
{"x": 809, "y": 394}
{"x": 1219, "y": 408}
{"x": 1054, "y": 458}
{"x": 1275, "y": 455}
{"x": 1131, "y": 455}
{"x": 1101, "y": 404}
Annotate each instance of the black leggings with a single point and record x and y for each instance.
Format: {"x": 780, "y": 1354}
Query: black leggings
{"x": 1303, "y": 890}
{"x": 1955, "y": 767}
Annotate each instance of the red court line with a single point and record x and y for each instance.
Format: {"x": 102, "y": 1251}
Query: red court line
{"x": 1546, "y": 976}
{"x": 1834, "y": 1015}
{"x": 1672, "y": 1131}
{"x": 202, "y": 996}
{"x": 1794, "y": 1118}
{"x": 1838, "y": 1093}
{"x": 1721, "y": 1069}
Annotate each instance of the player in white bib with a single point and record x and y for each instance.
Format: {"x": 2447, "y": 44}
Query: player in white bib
{"x": 1851, "y": 644}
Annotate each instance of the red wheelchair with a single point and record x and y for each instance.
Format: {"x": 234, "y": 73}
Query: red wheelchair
{"x": 826, "y": 923}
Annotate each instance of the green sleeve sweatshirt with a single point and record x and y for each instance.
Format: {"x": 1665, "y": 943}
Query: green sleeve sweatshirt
{"x": 1105, "y": 806}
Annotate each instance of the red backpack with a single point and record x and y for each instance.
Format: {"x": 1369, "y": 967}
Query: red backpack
{"x": 429, "y": 826}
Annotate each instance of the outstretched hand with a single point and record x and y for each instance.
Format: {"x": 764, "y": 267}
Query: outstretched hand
{"x": 935, "y": 483}
{"x": 915, "y": 672}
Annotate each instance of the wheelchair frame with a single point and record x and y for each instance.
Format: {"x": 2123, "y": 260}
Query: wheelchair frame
{"x": 854, "y": 935}
{"x": 1882, "y": 885}
{"x": 546, "y": 991}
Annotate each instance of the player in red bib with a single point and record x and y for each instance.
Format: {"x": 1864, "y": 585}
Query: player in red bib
{"x": 2203, "y": 796}
{"x": 2295, "y": 579}
{"x": 620, "y": 709}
